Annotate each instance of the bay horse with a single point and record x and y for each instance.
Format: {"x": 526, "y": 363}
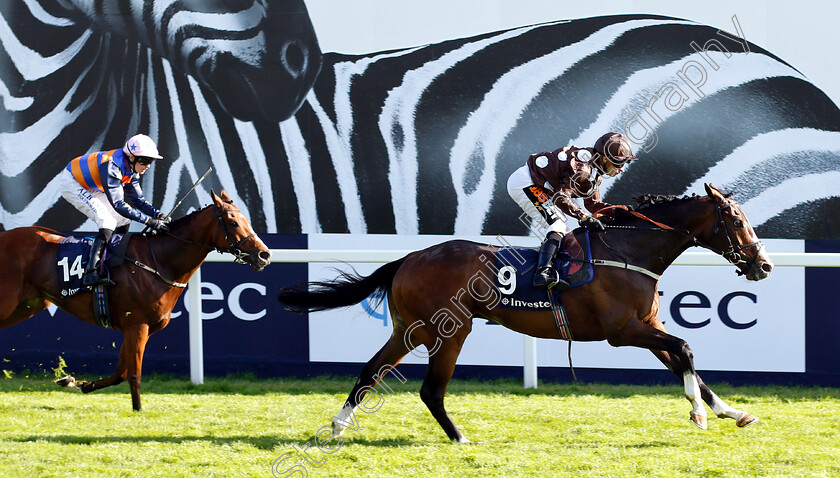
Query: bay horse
{"x": 143, "y": 298}
{"x": 621, "y": 304}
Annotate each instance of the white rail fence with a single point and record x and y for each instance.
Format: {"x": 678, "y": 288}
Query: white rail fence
{"x": 783, "y": 259}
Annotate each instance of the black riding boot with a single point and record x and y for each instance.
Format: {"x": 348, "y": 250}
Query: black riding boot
{"x": 92, "y": 276}
{"x": 546, "y": 276}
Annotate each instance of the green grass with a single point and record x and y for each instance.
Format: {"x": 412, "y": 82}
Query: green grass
{"x": 239, "y": 426}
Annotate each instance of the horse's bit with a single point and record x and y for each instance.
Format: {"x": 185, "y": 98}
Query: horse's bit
{"x": 733, "y": 254}
{"x": 239, "y": 256}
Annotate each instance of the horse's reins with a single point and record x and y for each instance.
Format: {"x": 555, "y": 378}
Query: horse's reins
{"x": 732, "y": 255}
{"x": 195, "y": 185}
{"x": 234, "y": 249}
{"x": 239, "y": 256}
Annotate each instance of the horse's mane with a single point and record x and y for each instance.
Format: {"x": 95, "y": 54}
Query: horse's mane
{"x": 188, "y": 218}
{"x": 647, "y": 200}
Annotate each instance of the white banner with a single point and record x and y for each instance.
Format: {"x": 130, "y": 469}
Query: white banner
{"x": 732, "y": 324}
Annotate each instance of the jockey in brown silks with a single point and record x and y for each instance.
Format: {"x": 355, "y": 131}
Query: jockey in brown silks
{"x": 544, "y": 188}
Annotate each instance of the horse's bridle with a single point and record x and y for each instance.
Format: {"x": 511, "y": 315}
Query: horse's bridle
{"x": 732, "y": 254}
{"x": 238, "y": 254}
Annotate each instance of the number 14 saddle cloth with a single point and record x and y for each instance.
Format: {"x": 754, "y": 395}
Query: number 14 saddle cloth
{"x": 72, "y": 258}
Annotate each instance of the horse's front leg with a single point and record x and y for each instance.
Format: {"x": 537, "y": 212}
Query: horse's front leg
{"x": 719, "y": 407}
{"x": 129, "y": 367}
{"x": 135, "y": 345}
{"x": 723, "y": 410}
{"x": 88, "y": 386}
{"x": 691, "y": 382}
{"x": 639, "y": 334}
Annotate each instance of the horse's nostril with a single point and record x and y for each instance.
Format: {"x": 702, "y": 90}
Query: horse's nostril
{"x": 265, "y": 255}
{"x": 766, "y": 267}
{"x": 294, "y": 58}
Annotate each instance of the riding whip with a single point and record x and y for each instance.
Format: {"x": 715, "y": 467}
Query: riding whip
{"x": 191, "y": 190}
{"x": 185, "y": 195}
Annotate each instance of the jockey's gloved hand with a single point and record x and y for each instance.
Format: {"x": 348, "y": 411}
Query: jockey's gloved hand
{"x": 163, "y": 217}
{"x": 157, "y": 225}
{"x": 592, "y": 224}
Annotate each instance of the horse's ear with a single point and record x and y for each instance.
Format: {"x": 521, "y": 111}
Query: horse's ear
{"x": 224, "y": 197}
{"x": 714, "y": 192}
{"x": 216, "y": 198}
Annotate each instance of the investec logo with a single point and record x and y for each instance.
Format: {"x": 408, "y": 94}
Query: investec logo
{"x": 512, "y": 302}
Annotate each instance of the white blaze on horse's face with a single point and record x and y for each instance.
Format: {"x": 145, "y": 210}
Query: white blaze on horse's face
{"x": 756, "y": 264}
{"x": 738, "y": 241}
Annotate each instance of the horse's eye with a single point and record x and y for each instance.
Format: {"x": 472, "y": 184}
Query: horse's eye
{"x": 737, "y": 223}
{"x": 234, "y": 224}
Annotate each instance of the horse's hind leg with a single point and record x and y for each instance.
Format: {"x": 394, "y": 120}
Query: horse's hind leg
{"x": 441, "y": 368}
{"x": 372, "y": 373}
{"x": 129, "y": 366}
{"x": 22, "y": 311}
{"x": 117, "y": 378}
{"x": 719, "y": 407}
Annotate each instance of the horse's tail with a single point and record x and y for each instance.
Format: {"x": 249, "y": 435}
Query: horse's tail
{"x": 346, "y": 290}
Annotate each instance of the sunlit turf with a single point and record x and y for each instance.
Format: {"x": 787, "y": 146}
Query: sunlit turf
{"x": 240, "y": 426}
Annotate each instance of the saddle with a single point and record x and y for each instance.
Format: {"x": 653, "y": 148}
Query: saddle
{"x": 516, "y": 267}
{"x": 71, "y": 262}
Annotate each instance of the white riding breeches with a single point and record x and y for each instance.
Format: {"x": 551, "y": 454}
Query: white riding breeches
{"x": 540, "y": 226}
{"x": 92, "y": 203}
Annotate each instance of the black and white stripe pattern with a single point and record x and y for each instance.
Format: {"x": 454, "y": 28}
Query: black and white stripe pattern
{"x": 422, "y": 140}
{"x": 84, "y": 75}
{"x": 432, "y": 133}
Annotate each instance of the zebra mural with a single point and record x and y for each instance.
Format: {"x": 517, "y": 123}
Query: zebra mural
{"x": 419, "y": 140}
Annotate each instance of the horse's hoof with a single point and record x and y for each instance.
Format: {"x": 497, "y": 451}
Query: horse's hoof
{"x": 746, "y": 419}
{"x": 68, "y": 382}
{"x": 699, "y": 420}
{"x": 337, "y": 430}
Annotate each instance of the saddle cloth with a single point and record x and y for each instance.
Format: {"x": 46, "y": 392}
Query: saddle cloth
{"x": 72, "y": 258}
{"x": 516, "y": 267}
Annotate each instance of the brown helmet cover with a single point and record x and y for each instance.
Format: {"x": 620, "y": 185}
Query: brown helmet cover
{"x": 615, "y": 147}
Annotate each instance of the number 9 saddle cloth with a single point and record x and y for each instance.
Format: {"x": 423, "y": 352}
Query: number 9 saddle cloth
{"x": 515, "y": 268}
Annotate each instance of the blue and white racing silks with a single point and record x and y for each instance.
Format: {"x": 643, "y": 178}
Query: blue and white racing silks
{"x": 109, "y": 172}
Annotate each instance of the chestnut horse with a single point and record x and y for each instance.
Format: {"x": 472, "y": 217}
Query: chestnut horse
{"x": 620, "y": 305}
{"x": 141, "y": 301}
